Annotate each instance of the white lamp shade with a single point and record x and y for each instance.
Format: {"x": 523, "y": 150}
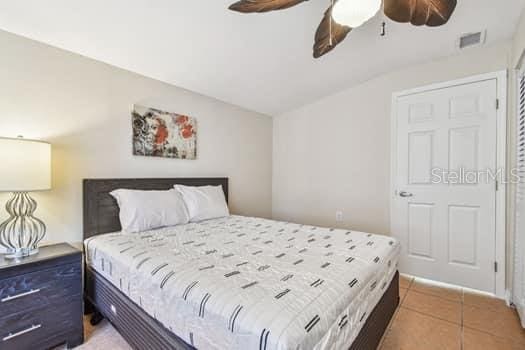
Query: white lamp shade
{"x": 25, "y": 165}
{"x": 354, "y": 13}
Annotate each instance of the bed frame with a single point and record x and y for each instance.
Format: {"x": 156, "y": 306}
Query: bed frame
{"x": 139, "y": 329}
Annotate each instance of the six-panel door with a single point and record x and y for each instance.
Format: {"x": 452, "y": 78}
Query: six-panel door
{"x": 445, "y": 206}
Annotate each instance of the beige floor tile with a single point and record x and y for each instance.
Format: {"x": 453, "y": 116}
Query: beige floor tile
{"x": 414, "y": 331}
{"x": 405, "y": 282}
{"x": 389, "y": 325}
{"x": 483, "y": 301}
{"x": 392, "y": 319}
{"x": 433, "y": 306}
{"x": 502, "y": 323}
{"x": 451, "y": 293}
{"x": 475, "y": 340}
{"x": 402, "y": 294}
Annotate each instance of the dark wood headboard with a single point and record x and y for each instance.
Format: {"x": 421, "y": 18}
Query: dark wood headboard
{"x": 101, "y": 211}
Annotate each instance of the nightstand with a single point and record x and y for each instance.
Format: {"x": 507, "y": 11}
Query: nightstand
{"x": 41, "y": 300}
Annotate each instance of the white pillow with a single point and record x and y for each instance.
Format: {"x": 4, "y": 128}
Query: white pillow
{"x": 147, "y": 210}
{"x": 204, "y": 202}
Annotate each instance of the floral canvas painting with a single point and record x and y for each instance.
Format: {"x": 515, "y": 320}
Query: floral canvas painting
{"x": 163, "y": 134}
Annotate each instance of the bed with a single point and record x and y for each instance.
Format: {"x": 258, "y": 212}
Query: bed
{"x": 235, "y": 282}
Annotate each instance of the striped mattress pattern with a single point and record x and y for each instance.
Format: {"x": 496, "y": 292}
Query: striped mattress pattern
{"x": 251, "y": 283}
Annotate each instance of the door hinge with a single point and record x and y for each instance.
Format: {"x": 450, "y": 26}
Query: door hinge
{"x": 497, "y": 103}
{"x": 495, "y": 266}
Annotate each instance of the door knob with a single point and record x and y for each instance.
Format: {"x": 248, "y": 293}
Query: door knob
{"x": 405, "y": 194}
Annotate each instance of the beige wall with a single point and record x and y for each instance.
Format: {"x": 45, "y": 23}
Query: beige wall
{"x": 83, "y": 108}
{"x": 518, "y": 43}
{"x": 334, "y": 154}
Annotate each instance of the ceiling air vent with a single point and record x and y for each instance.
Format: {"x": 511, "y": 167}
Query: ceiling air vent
{"x": 471, "y": 39}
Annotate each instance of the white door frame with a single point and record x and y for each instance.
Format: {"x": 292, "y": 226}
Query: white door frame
{"x": 501, "y": 195}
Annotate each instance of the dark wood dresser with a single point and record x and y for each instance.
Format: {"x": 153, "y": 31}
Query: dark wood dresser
{"x": 41, "y": 300}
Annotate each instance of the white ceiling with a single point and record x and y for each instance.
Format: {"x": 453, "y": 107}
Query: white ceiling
{"x": 260, "y": 62}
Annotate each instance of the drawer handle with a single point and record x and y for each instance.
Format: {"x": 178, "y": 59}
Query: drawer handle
{"x": 13, "y": 297}
{"x": 17, "y": 334}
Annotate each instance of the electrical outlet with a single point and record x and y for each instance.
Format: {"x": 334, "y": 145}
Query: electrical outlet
{"x": 339, "y": 216}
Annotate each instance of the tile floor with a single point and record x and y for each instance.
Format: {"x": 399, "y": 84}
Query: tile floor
{"x": 431, "y": 318}
{"x": 428, "y": 318}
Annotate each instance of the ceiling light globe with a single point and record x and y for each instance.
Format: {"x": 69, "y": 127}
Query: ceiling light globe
{"x": 354, "y": 13}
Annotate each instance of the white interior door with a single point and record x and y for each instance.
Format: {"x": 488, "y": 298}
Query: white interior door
{"x": 444, "y": 213}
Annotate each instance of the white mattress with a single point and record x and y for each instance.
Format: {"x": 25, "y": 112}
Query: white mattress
{"x": 250, "y": 283}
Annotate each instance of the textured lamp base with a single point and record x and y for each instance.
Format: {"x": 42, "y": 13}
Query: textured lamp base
{"x": 20, "y": 253}
{"x": 21, "y": 232}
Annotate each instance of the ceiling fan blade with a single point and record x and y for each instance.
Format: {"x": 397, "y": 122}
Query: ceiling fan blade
{"x": 248, "y": 6}
{"x": 328, "y": 26}
{"x": 432, "y": 13}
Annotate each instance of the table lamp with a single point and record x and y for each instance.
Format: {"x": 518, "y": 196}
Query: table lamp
{"x": 25, "y": 166}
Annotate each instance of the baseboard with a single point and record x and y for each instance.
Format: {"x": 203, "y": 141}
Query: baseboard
{"x": 508, "y": 298}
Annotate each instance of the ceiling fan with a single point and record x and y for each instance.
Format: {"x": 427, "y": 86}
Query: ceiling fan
{"x": 344, "y": 15}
